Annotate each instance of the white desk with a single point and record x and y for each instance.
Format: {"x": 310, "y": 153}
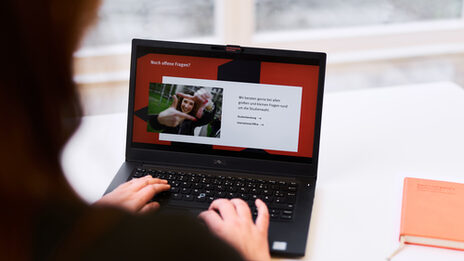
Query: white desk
{"x": 370, "y": 140}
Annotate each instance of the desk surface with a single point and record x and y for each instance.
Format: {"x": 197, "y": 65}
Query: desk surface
{"x": 370, "y": 140}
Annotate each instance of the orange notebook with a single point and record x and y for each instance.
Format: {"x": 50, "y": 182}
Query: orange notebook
{"x": 433, "y": 213}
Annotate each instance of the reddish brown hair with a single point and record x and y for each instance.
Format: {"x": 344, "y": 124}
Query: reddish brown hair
{"x": 39, "y": 106}
{"x": 195, "y": 108}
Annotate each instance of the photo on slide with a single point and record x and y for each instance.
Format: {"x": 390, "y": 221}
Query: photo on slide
{"x": 185, "y": 110}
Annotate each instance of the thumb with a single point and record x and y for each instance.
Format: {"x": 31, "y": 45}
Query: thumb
{"x": 174, "y": 101}
{"x": 200, "y": 110}
{"x": 185, "y": 116}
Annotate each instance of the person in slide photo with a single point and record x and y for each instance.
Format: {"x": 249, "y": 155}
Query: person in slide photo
{"x": 187, "y": 111}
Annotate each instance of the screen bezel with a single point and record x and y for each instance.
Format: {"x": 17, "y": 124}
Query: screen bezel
{"x": 242, "y": 160}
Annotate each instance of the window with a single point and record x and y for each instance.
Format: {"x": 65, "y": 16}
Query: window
{"x": 274, "y": 15}
{"x": 121, "y": 20}
{"x": 369, "y": 42}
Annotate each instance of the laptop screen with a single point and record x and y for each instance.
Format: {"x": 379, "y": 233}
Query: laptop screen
{"x": 242, "y": 105}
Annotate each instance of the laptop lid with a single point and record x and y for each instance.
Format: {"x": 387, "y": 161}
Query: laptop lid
{"x": 264, "y": 116}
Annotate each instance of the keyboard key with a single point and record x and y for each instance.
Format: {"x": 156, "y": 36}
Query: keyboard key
{"x": 244, "y": 196}
{"x": 286, "y": 216}
{"x": 197, "y": 185}
{"x": 137, "y": 175}
{"x": 268, "y": 199}
{"x": 287, "y": 212}
{"x": 274, "y": 216}
{"x": 203, "y": 199}
{"x": 279, "y": 195}
{"x": 274, "y": 211}
{"x": 243, "y": 190}
{"x": 266, "y": 192}
{"x": 187, "y": 197}
{"x": 251, "y": 185}
{"x": 283, "y": 206}
{"x": 291, "y": 197}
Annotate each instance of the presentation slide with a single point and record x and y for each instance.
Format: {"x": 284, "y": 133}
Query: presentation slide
{"x": 256, "y": 116}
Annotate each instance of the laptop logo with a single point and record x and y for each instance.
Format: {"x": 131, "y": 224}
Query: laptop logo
{"x": 219, "y": 162}
{"x": 279, "y": 245}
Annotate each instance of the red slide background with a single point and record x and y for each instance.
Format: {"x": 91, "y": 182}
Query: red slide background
{"x": 305, "y": 76}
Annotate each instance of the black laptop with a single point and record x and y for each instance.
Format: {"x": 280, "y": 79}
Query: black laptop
{"x": 255, "y": 136}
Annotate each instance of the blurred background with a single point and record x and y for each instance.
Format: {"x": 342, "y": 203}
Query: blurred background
{"x": 370, "y": 43}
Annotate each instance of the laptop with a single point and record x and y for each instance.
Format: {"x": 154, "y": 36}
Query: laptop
{"x": 254, "y": 135}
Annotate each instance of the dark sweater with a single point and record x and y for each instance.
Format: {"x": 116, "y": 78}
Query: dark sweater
{"x": 89, "y": 233}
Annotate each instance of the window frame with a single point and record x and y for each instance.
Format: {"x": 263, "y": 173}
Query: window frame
{"x": 234, "y": 23}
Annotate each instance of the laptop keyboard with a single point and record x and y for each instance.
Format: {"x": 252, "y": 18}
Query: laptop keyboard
{"x": 200, "y": 189}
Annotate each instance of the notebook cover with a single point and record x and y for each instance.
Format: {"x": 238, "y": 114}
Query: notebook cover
{"x": 433, "y": 209}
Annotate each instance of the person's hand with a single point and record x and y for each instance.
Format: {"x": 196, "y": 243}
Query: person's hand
{"x": 202, "y": 97}
{"x": 134, "y": 194}
{"x": 171, "y": 117}
{"x": 231, "y": 220}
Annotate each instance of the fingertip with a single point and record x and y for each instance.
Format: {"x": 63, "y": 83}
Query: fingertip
{"x": 152, "y": 206}
{"x": 211, "y": 218}
{"x": 259, "y": 202}
{"x": 163, "y": 186}
{"x": 202, "y": 214}
{"x": 174, "y": 101}
{"x": 163, "y": 181}
{"x": 262, "y": 221}
{"x": 215, "y": 203}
